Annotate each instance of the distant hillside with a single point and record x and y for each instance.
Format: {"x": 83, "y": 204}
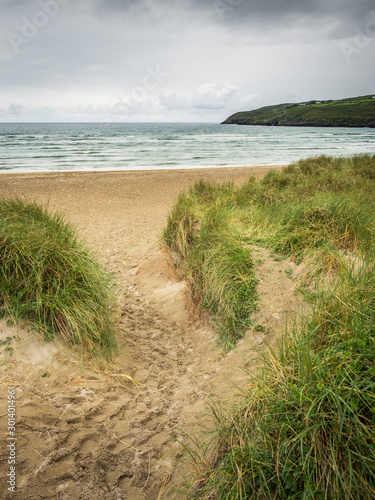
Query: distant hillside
{"x": 353, "y": 112}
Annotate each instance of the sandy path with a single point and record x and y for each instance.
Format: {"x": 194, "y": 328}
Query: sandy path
{"x": 87, "y": 434}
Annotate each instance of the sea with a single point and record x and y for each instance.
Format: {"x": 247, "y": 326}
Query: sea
{"x": 46, "y": 147}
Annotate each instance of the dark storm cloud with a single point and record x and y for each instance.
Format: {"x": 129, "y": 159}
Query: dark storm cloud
{"x": 257, "y": 11}
{"x": 314, "y": 19}
{"x": 14, "y": 4}
{"x": 279, "y": 9}
{"x": 341, "y": 15}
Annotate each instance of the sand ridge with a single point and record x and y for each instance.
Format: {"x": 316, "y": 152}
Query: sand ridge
{"x": 86, "y": 433}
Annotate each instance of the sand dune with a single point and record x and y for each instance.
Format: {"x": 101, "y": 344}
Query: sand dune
{"x": 86, "y": 433}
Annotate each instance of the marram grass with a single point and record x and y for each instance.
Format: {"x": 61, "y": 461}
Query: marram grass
{"x": 303, "y": 427}
{"x": 49, "y": 280}
{"x": 212, "y": 258}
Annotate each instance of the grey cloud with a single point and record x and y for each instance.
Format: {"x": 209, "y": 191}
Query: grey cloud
{"x": 121, "y": 5}
{"x": 256, "y": 10}
{"x": 16, "y": 109}
{"x": 276, "y": 8}
{"x": 95, "y": 51}
{"x": 15, "y": 4}
{"x": 341, "y": 16}
{"x": 211, "y": 96}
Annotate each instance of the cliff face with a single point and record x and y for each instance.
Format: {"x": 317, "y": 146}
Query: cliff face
{"x": 354, "y": 112}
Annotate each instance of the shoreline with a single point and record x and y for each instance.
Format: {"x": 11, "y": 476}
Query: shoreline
{"x": 135, "y": 170}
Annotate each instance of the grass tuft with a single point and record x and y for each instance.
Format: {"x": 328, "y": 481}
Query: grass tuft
{"x": 305, "y": 428}
{"x": 304, "y": 425}
{"x": 213, "y": 260}
{"x": 50, "y": 280}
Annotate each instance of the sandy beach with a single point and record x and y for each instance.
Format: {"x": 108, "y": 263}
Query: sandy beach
{"x": 130, "y": 206}
{"x": 89, "y": 433}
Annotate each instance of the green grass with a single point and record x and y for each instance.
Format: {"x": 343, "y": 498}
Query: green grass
{"x": 304, "y": 425}
{"x": 49, "y": 280}
{"x": 212, "y": 259}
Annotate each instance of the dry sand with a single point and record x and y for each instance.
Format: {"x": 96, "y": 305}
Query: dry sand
{"x": 86, "y": 433}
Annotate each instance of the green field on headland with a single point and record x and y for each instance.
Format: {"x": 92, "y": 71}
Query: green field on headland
{"x": 353, "y": 112}
{"x": 304, "y": 425}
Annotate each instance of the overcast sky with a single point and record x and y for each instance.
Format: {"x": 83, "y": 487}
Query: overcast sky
{"x": 179, "y": 60}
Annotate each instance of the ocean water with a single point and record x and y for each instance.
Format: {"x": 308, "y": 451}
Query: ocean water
{"x": 137, "y": 146}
